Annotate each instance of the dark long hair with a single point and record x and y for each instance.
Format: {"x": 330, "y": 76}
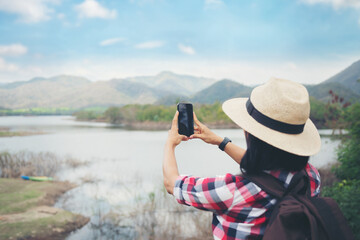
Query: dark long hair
{"x": 261, "y": 156}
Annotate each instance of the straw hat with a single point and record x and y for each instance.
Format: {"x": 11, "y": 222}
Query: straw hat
{"x": 277, "y": 112}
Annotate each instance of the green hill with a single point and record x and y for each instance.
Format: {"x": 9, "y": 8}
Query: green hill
{"x": 321, "y": 91}
{"x": 349, "y": 77}
{"x": 221, "y": 91}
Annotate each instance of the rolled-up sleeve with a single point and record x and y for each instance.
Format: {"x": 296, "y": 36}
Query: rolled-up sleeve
{"x": 213, "y": 194}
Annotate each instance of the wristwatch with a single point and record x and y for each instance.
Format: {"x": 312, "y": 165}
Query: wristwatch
{"x": 223, "y": 143}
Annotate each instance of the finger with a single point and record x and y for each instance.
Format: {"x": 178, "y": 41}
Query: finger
{"x": 196, "y": 128}
{"x": 184, "y": 138}
{"x": 175, "y": 120}
{"x": 195, "y": 135}
{"x": 196, "y": 120}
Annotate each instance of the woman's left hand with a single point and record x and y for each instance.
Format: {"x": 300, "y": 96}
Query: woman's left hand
{"x": 174, "y": 138}
{"x": 204, "y": 133}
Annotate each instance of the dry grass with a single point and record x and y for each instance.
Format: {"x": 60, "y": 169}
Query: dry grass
{"x": 14, "y": 165}
{"x": 156, "y": 216}
{"x": 74, "y": 162}
{"x": 88, "y": 179}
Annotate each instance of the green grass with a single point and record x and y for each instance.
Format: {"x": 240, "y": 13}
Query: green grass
{"x": 6, "y": 134}
{"x": 11, "y": 134}
{"x": 18, "y": 196}
{"x": 37, "y": 111}
{"x": 42, "y": 226}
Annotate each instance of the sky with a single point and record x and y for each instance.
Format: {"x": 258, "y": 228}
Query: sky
{"x": 248, "y": 41}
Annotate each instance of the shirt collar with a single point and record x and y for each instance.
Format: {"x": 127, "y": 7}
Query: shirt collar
{"x": 283, "y": 175}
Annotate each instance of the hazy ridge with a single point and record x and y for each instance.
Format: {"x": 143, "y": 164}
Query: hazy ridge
{"x": 164, "y": 88}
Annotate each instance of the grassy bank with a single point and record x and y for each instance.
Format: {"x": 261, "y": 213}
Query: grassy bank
{"x": 26, "y": 210}
{"x": 6, "y": 132}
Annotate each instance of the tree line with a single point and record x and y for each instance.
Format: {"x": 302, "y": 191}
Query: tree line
{"x": 324, "y": 115}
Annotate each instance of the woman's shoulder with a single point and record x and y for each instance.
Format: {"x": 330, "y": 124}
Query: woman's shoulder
{"x": 312, "y": 172}
{"x": 314, "y": 179}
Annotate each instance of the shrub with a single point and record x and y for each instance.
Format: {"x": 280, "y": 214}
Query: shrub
{"x": 347, "y": 192}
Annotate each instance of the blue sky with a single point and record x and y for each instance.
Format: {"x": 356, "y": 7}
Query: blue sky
{"x": 245, "y": 40}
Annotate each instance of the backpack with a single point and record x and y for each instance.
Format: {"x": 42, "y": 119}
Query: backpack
{"x": 299, "y": 216}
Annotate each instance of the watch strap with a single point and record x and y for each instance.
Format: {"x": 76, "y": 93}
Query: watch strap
{"x": 223, "y": 143}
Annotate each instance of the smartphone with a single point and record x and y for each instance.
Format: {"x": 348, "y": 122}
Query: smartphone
{"x": 185, "y": 119}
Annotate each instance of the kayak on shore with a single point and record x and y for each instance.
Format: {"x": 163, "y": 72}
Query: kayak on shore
{"x": 37, "y": 178}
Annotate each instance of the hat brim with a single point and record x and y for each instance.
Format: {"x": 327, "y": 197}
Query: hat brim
{"x": 306, "y": 143}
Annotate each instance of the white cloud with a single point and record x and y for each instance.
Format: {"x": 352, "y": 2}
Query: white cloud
{"x": 336, "y": 3}
{"x": 29, "y": 11}
{"x": 149, "y": 45}
{"x": 61, "y": 16}
{"x": 186, "y": 49}
{"x": 93, "y": 9}
{"x": 213, "y": 4}
{"x": 209, "y": 2}
{"x": 7, "y": 67}
{"x": 12, "y": 50}
{"x": 111, "y": 41}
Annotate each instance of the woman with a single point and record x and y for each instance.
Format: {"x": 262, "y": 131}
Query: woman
{"x": 280, "y": 138}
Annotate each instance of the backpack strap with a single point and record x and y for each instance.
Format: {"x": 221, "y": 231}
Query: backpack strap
{"x": 275, "y": 187}
{"x": 268, "y": 183}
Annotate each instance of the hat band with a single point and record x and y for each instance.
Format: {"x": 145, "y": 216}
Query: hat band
{"x": 272, "y": 123}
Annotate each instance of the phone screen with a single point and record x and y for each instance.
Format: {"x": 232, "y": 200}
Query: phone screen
{"x": 186, "y": 119}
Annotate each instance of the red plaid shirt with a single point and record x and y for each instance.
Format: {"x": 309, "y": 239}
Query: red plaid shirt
{"x": 241, "y": 208}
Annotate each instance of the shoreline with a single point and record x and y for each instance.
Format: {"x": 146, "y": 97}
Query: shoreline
{"x": 155, "y": 126}
{"x": 27, "y": 210}
{"x": 6, "y": 132}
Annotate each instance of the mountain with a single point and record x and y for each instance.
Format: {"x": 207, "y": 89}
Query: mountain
{"x": 349, "y": 77}
{"x": 175, "y": 83}
{"x": 345, "y": 84}
{"x": 221, "y": 91}
{"x": 75, "y": 92}
{"x": 171, "y": 99}
{"x": 321, "y": 91}
{"x": 41, "y": 92}
{"x": 164, "y": 88}
{"x": 62, "y": 79}
{"x": 78, "y": 92}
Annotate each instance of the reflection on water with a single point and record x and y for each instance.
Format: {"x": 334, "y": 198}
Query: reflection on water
{"x": 121, "y": 163}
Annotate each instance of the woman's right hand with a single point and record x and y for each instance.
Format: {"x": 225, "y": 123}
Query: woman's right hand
{"x": 204, "y": 133}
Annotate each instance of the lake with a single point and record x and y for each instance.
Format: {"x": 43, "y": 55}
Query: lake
{"x": 123, "y": 163}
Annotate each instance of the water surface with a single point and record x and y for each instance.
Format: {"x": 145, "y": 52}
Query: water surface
{"x": 122, "y": 163}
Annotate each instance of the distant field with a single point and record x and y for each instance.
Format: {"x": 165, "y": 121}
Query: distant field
{"x": 47, "y": 111}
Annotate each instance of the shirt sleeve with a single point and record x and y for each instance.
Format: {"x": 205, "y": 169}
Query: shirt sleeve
{"x": 314, "y": 177}
{"x": 212, "y": 194}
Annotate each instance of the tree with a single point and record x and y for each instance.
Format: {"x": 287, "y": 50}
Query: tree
{"x": 114, "y": 115}
{"x": 335, "y": 112}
